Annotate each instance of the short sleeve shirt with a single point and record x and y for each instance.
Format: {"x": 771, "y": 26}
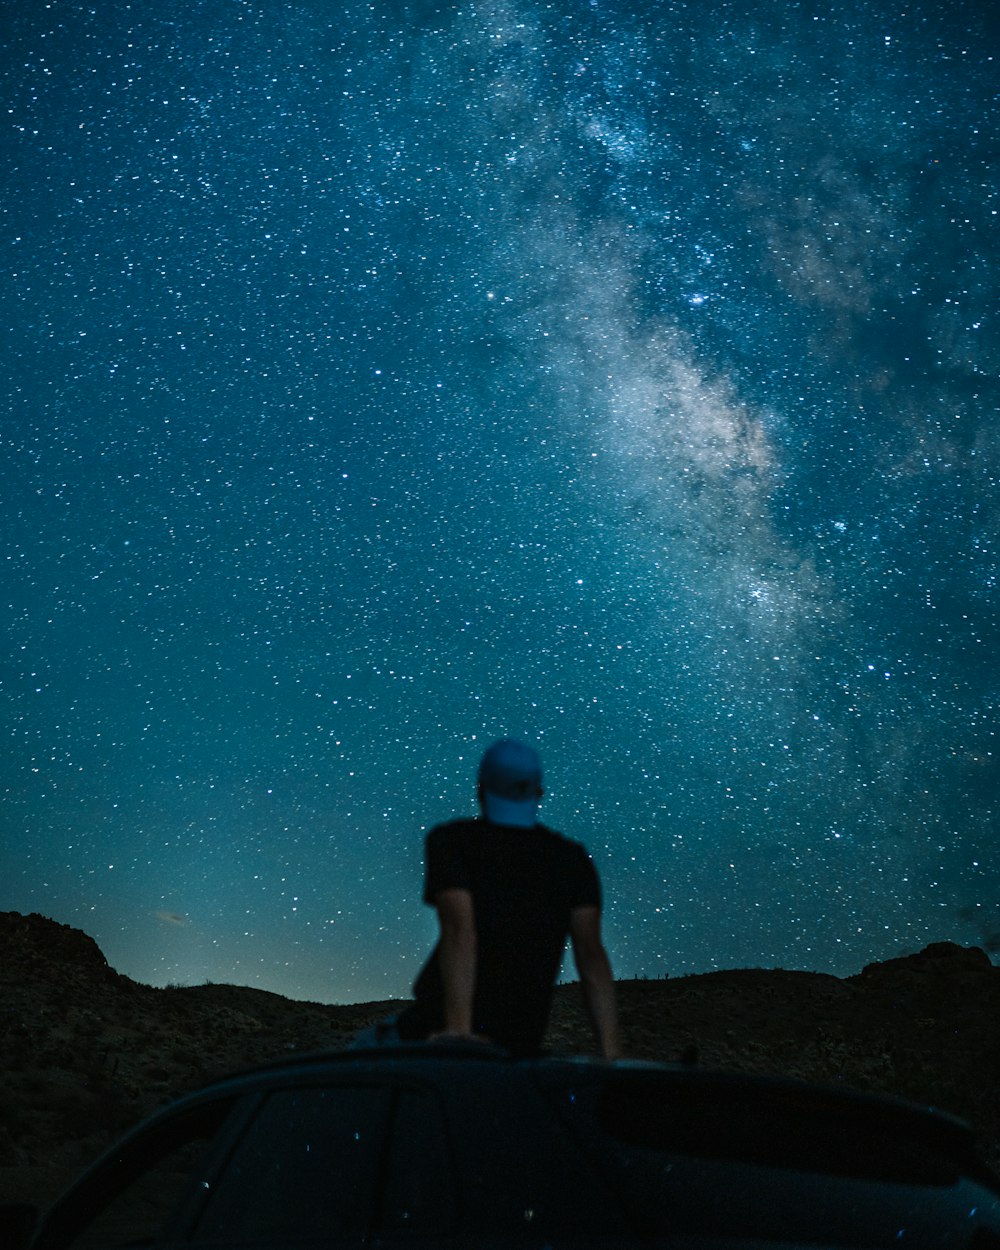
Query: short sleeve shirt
{"x": 524, "y": 885}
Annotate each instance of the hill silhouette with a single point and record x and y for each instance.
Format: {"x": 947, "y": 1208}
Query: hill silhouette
{"x": 85, "y": 1052}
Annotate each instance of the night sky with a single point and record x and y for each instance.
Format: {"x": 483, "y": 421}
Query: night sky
{"x": 382, "y": 379}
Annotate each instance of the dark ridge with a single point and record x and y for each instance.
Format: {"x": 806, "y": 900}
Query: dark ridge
{"x": 85, "y": 1052}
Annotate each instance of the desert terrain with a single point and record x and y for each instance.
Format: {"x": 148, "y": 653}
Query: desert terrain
{"x": 86, "y": 1052}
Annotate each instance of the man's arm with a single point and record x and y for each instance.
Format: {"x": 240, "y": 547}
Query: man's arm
{"x": 457, "y": 958}
{"x": 594, "y": 968}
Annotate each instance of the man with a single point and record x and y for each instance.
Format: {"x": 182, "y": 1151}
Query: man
{"x": 508, "y": 892}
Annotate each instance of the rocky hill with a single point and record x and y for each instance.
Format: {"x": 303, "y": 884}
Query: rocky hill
{"x": 85, "y": 1052}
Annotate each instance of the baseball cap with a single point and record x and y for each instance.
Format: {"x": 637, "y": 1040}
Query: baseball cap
{"x": 510, "y": 777}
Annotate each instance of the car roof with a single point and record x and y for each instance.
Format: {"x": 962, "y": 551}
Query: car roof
{"x": 474, "y": 1062}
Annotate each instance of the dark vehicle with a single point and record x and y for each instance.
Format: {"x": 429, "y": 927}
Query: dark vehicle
{"x": 459, "y": 1147}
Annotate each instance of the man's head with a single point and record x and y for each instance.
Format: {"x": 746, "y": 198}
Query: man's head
{"x": 510, "y": 784}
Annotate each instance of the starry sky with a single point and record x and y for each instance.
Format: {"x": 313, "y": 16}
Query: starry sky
{"x": 383, "y": 379}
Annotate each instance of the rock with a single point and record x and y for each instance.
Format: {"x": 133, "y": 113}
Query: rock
{"x": 939, "y": 957}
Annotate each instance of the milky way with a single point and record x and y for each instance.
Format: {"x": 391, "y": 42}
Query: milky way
{"x": 380, "y": 382}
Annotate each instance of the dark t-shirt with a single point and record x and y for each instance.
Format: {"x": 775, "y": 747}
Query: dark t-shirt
{"x": 524, "y": 884}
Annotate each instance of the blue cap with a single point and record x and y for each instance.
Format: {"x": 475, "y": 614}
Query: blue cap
{"x": 510, "y": 780}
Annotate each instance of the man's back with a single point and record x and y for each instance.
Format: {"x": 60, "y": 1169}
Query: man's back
{"x": 508, "y": 892}
{"x": 524, "y": 885}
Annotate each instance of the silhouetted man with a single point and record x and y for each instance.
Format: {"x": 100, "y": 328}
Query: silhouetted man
{"x": 508, "y": 892}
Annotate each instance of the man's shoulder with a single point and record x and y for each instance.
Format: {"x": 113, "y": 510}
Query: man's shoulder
{"x": 563, "y": 839}
{"x": 462, "y": 824}
{"x": 451, "y": 831}
{"x": 569, "y": 854}
{"x": 560, "y": 839}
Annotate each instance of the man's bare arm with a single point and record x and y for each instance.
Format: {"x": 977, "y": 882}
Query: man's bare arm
{"x": 594, "y": 968}
{"x": 457, "y": 957}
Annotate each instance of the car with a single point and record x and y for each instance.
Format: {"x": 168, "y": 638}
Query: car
{"x": 455, "y": 1145}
